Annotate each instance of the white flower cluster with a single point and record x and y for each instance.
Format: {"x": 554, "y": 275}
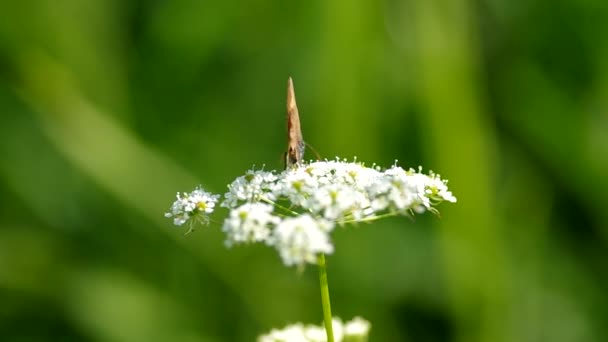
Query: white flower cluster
{"x": 356, "y": 330}
{"x": 195, "y": 206}
{"x": 321, "y": 195}
{"x": 295, "y": 210}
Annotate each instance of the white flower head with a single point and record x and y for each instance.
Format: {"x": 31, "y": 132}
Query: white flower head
{"x": 250, "y": 188}
{"x": 291, "y": 333}
{"x": 408, "y": 191}
{"x": 251, "y": 222}
{"x": 197, "y": 205}
{"x": 437, "y": 189}
{"x": 296, "y": 209}
{"x": 403, "y": 189}
{"x": 333, "y": 201}
{"x": 356, "y": 330}
{"x": 296, "y": 185}
{"x": 301, "y": 239}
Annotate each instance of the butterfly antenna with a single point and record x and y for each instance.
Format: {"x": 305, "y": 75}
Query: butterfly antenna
{"x": 313, "y": 151}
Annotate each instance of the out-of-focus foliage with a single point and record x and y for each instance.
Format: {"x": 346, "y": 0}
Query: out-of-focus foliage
{"x": 107, "y": 108}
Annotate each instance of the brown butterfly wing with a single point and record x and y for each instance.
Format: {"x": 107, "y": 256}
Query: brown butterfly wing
{"x": 295, "y": 142}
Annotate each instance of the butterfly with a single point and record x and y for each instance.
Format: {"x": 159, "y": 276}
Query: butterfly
{"x": 295, "y": 142}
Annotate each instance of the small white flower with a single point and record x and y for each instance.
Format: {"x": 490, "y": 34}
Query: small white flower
{"x": 437, "y": 189}
{"x": 405, "y": 189}
{"x": 355, "y": 174}
{"x": 251, "y": 222}
{"x": 203, "y": 201}
{"x": 291, "y": 333}
{"x": 355, "y": 330}
{"x": 297, "y": 185}
{"x": 333, "y": 201}
{"x": 315, "y": 333}
{"x": 394, "y": 191}
{"x": 195, "y": 205}
{"x": 250, "y": 188}
{"x": 300, "y": 239}
{"x": 357, "y": 327}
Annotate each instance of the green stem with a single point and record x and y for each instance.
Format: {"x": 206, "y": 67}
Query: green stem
{"x": 325, "y": 298}
{"x": 264, "y": 199}
{"x": 369, "y": 218}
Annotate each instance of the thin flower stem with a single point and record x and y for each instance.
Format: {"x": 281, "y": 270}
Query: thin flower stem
{"x": 369, "y": 219}
{"x": 264, "y": 199}
{"x": 325, "y": 297}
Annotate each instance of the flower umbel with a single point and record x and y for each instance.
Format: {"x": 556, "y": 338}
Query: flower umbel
{"x": 300, "y": 239}
{"x": 295, "y": 210}
{"x": 194, "y": 207}
{"x": 251, "y": 222}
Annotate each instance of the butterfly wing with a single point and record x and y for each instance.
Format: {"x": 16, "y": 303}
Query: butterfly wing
{"x": 295, "y": 142}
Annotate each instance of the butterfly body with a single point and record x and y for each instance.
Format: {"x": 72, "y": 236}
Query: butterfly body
{"x": 295, "y": 142}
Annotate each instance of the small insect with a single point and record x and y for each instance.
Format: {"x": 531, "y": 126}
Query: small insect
{"x": 295, "y": 142}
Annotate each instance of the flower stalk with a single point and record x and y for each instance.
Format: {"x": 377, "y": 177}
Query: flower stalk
{"x": 325, "y": 302}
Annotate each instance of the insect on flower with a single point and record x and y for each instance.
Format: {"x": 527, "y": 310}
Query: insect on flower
{"x": 295, "y": 142}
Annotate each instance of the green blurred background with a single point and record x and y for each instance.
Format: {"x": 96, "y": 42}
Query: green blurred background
{"x": 109, "y": 107}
